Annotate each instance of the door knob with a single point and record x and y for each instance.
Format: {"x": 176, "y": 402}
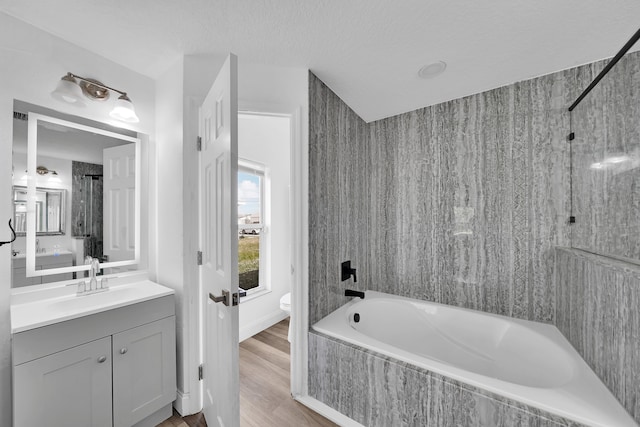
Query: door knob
{"x": 123, "y": 350}
{"x": 102, "y": 359}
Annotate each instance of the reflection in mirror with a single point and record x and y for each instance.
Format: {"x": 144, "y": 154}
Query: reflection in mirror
{"x": 50, "y": 203}
{"x": 98, "y": 170}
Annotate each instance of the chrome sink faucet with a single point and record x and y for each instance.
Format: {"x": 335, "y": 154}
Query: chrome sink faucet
{"x": 93, "y": 286}
{"x": 95, "y": 267}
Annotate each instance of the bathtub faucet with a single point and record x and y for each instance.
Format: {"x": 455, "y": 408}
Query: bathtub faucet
{"x": 352, "y": 293}
{"x": 347, "y": 271}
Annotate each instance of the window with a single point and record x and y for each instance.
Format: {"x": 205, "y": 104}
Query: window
{"x": 252, "y": 239}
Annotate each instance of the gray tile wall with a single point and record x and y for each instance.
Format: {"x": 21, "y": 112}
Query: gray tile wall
{"x": 478, "y": 189}
{"x": 606, "y": 196}
{"x": 339, "y": 169}
{"x": 598, "y": 311}
{"x": 459, "y": 203}
{"x": 463, "y": 203}
{"x": 376, "y": 391}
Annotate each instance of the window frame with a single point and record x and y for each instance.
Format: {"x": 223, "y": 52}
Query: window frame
{"x": 261, "y": 170}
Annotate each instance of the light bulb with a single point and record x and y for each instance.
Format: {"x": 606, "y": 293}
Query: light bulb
{"x": 68, "y": 91}
{"x": 123, "y": 110}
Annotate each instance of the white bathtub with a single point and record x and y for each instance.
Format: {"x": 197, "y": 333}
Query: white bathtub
{"x": 526, "y": 361}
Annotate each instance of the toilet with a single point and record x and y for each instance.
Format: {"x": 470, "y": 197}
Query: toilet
{"x": 285, "y": 305}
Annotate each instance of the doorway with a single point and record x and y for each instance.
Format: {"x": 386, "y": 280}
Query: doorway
{"x": 295, "y": 249}
{"x": 264, "y": 231}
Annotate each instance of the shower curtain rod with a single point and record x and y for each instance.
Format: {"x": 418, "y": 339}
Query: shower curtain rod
{"x": 606, "y": 69}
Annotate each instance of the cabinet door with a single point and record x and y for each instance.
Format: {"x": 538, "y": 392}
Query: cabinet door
{"x": 144, "y": 371}
{"x": 71, "y": 388}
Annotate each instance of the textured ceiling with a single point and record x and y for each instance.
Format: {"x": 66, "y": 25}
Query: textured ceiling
{"x": 367, "y": 51}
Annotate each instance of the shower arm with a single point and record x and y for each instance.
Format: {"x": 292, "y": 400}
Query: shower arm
{"x": 606, "y": 69}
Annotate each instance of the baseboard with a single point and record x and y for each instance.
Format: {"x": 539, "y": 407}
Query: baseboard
{"x": 327, "y": 412}
{"x": 185, "y": 405}
{"x": 259, "y": 325}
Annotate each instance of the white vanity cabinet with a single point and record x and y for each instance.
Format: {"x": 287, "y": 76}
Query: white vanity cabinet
{"x": 71, "y": 387}
{"x": 112, "y": 368}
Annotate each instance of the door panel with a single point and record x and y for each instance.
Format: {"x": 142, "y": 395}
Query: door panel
{"x": 219, "y": 243}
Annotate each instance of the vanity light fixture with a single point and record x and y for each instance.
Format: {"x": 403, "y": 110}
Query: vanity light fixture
{"x": 42, "y": 170}
{"x": 69, "y": 90}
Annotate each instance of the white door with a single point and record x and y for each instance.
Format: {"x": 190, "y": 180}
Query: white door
{"x": 119, "y": 202}
{"x": 219, "y": 246}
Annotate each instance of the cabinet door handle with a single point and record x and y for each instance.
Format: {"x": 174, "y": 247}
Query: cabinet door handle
{"x": 123, "y": 350}
{"x": 102, "y": 359}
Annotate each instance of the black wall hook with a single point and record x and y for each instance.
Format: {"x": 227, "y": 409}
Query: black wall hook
{"x": 12, "y": 232}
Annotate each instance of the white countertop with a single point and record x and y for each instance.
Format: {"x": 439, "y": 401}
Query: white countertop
{"x": 36, "y": 312}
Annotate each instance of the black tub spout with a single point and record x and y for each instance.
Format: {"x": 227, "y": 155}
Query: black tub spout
{"x": 352, "y": 293}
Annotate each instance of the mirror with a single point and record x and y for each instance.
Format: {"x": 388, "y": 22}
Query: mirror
{"x": 50, "y": 204}
{"x": 99, "y": 171}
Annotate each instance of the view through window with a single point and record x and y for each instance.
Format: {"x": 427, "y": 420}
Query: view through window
{"x": 250, "y": 225}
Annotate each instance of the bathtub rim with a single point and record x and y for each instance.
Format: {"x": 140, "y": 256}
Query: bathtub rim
{"x": 599, "y": 407}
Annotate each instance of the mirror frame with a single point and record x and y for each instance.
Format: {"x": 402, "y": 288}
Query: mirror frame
{"x": 32, "y": 146}
{"x": 63, "y": 201}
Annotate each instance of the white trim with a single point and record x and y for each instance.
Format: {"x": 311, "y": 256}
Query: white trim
{"x": 299, "y": 256}
{"x": 192, "y": 290}
{"x": 250, "y": 166}
{"x": 182, "y": 404}
{"x": 327, "y": 412}
{"x": 264, "y": 248}
{"x": 253, "y": 295}
{"x": 189, "y": 399}
{"x": 261, "y": 324}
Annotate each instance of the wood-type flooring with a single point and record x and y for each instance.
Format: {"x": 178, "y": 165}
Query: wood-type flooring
{"x": 265, "y": 397}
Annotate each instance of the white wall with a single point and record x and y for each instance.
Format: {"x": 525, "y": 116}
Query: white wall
{"x": 170, "y": 253}
{"x": 31, "y": 64}
{"x": 265, "y": 140}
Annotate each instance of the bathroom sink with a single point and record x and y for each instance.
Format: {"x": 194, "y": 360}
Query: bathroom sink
{"x": 108, "y": 297}
{"x": 48, "y": 310}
